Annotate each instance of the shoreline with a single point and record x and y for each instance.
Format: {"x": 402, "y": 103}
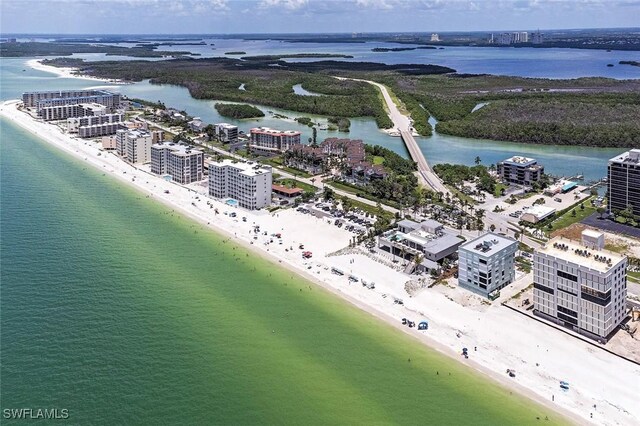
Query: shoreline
{"x": 67, "y": 72}
{"x": 49, "y": 133}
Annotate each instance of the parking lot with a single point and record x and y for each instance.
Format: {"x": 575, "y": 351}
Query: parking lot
{"x": 355, "y": 221}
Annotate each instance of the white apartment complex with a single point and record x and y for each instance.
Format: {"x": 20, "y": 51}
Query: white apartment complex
{"x": 73, "y": 124}
{"x": 134, "y": 145}
{"x": 486, "y": 264}
{"x": 184, "y": 164}
{"x": 43, "y": 99}
{"x": 247, "y": 183}
{"x": 62, "y": 112}
{"x": 580, "y": 285}
{"x": 266, "y": 140}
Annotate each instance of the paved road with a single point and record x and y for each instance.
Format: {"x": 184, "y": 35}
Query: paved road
{"x": 425, "y": 171}
{"x": 402, "y": 123}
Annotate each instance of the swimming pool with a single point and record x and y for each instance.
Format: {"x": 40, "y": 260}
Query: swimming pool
{"x": 231, "y": 202}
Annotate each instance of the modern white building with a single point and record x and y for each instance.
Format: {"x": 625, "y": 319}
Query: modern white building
{"x": 270, "y": 141}
{"x": 183, "y": 163}
{"x": 486, "y": 264}
{"x": 520, "y": 170}
{"x": 134, "y": 146}
{"x": 226, "y": 133}
{"x": 580, "y": 285}
{"x": 247, "y": 183}
{"x": 62, "y": 112}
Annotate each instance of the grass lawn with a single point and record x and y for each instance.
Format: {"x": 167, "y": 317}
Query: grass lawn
{"x": 634, "y": 276}
{"x": 378, "y": 159}
{"x": 342, "y": 187}
{"x": 277, "y": 163}
{"x": 461, "y": 195}
{"x": 568, "y": 219}
{"x": 290, "y": 183}
{"x": 498, "y": 190}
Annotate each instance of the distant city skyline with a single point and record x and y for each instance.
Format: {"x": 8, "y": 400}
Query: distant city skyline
{"x": 309, "y": 16}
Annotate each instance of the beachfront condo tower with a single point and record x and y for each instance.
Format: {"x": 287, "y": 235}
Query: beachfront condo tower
{"x": 134, "y": 145}
{"x": 182, "y": 162}
{"x": 580, "y": 285}
{"x": 249, "y": 184}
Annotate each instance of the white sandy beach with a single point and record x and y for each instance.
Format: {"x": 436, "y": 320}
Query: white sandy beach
{"x": 68, "y": 72}
{"x": 541, "y": 355}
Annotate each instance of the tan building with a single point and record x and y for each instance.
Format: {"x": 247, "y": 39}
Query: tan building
{"x": 134, "y": 146}
{"x": 580, "y": 285}
{"x": 183, "y": 163}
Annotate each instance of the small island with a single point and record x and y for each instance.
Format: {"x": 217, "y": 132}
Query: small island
{"x": 295, "y": 56}
{"x": 238, "y": 52}
{"x": 632, "y": 63}
{"x": 342, "y": 124}
{"x": 238, "y": 111}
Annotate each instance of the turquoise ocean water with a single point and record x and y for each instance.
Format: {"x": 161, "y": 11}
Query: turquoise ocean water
{"x": 123, "y": 312}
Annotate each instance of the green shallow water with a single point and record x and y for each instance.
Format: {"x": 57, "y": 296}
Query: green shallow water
{"x": 123, "y": 312}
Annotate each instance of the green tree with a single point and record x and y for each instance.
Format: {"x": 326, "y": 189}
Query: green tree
{"x": 477, "y": 160}
{"x": 328, "y": 193}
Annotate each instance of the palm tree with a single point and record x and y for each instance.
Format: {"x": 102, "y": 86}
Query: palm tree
{"x": 417, "y": 261}
{"x": 477, "y": 160}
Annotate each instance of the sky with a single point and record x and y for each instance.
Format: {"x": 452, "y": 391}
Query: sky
{"x": 309, "y": 16}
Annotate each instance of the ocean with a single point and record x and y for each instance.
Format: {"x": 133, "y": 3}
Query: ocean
{"x": 121, "y": 311}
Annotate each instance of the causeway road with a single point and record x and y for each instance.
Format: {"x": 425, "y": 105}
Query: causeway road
{"x": 402, "y": 123}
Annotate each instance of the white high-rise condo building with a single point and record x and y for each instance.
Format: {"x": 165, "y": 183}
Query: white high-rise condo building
{"x": 486, "y": 264}
{"x": 247, "y": 183}
{"x": 134, "y": 145}
{"x": 580, "y": 285}
{"x": 183, "y": 163}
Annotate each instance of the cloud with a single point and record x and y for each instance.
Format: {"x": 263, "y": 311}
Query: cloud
{"x": 375, "y": 4}
{"x": 285, "y": 4}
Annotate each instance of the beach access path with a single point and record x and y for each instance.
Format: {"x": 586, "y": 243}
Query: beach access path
{"x": 542, "y": 356}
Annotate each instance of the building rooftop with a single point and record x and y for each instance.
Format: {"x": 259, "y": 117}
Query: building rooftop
{"x": 227, "y": 126}
{"x": 178, "y": 149}
{"x": 576, "y": 253}
{"x": 540, "y": 211}
{"x": 488, "y": 244}
{"x": 247, "y": 169}
{"x": 136, "y": 133}
{"x": 285, "y": 190}
{"x": 275, "y": 132}
{"x": 632, "y": 156}
{"x": 431, "y": 242}
{"x": 520, "y": 161}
